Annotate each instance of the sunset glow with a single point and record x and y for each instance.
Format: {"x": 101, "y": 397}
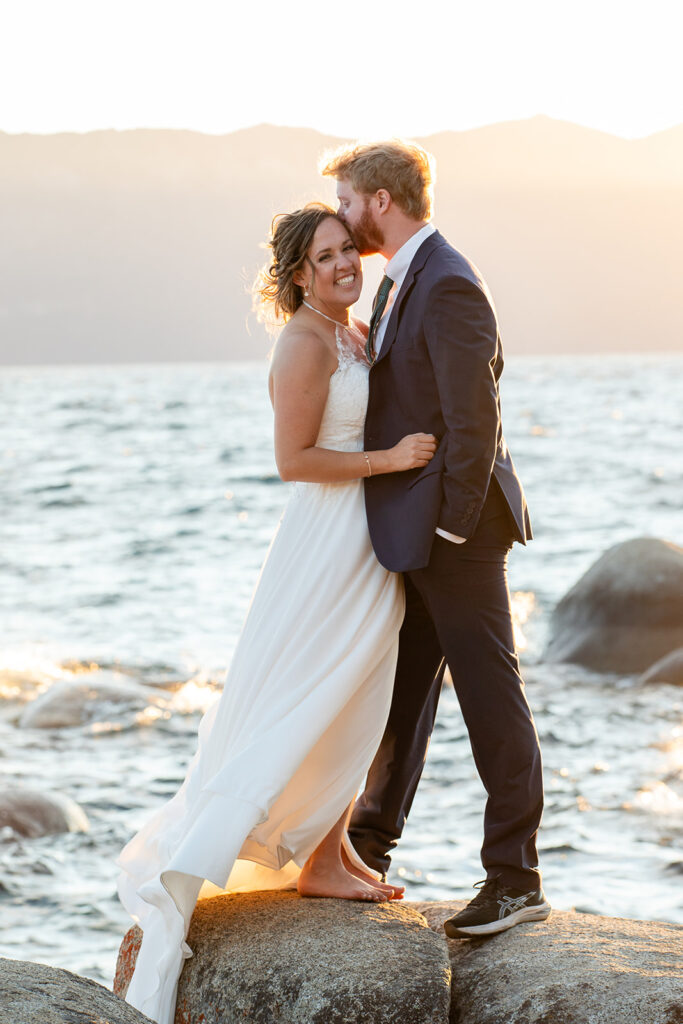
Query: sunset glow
{"x": 351, "y": 69}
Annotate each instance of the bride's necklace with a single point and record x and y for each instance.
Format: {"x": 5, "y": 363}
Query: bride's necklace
{"x": 320, "y": 313}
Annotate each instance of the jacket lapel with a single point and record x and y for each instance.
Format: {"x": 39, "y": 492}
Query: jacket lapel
{"x": 419, "y": 259}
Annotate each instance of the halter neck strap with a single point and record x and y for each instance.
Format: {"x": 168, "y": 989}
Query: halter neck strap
{"x": 320, "y": 313}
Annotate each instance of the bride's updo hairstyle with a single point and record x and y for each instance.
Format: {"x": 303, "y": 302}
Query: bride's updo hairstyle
{"x": 276, "y": 296}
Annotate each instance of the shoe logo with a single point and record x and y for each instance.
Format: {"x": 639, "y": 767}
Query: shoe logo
{"x": 508, "y": 904}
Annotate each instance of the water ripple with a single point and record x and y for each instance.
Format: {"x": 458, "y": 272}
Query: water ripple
{"x": 146, "y": 570}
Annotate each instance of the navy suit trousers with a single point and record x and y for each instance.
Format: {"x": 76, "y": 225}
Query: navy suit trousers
{"x": 458, "y": 612}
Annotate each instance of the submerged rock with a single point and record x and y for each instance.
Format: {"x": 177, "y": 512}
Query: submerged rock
{"x": 274, "y": 956}
{"x": 32, "y": 813}
{"x": 666, "y": 670}
{"x": 625, "y": 612}
{"x": 92, "y": 697}
{"x": 37, "y": 994}
{"x": 570, "y": 969}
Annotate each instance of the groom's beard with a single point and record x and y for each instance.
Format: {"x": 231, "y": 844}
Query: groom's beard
{"x": 367, "y": 236}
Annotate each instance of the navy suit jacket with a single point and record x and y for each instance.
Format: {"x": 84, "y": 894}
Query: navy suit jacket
{"x": 437, "y": 372}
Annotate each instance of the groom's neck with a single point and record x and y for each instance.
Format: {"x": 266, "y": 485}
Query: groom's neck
{"x": 396, "y": 235}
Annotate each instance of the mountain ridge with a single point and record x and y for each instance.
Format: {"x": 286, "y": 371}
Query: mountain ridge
{"x": 138, "y": 244}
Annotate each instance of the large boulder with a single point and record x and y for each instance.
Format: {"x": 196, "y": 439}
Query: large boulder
{"x": 570, "y": 969}
{"x": 268, "y": 957}
{"x": 31, "y": 813}
{"x": 667, "y": 670}
{"x": 625, "y": 612}
{"x": 37, "y": 994}
{"x": 94, "y": 697}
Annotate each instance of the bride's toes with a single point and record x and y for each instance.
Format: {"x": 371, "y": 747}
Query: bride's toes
{"x": 373, "y": 895}
{"x": 334, "y": 881}
{"x": 390, "y": 892}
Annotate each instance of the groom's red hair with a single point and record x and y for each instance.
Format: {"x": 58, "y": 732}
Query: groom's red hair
{"x": 404, "y": 169}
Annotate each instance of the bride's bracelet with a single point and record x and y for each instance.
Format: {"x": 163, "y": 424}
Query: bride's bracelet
{"x": 367, "y": 459}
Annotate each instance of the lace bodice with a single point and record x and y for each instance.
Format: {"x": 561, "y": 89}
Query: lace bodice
{"x": 343, "y": 421}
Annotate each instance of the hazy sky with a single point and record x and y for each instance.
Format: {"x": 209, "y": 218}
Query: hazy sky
{"x": 348, "y": 68}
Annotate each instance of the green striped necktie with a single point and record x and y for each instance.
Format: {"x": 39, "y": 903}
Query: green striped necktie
{"x": 378, "y": 307}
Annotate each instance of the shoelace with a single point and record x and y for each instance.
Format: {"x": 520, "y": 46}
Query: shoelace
{"x": 488, "y": 888}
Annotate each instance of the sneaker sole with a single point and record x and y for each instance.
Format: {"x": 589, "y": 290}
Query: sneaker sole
{"x": 538, "y": 913}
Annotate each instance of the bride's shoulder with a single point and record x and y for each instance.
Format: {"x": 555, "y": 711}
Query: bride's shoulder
{"x": 300, "y": 347}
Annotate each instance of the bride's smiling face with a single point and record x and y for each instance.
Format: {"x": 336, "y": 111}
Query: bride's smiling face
{"x": 332, "y": 273}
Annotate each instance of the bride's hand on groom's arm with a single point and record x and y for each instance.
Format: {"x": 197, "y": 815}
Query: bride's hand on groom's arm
{"x": 412, "y": 452}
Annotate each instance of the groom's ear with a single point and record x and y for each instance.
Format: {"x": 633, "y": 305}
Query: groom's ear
{"x": 384, "y": 200}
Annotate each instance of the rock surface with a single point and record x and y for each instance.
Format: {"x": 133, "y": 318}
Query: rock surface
{"x": 268, "y": 957}
{"x": 80, "y": 701}
{"x": 37, "y": 994}
{"x": 273, "y": 957}
{"x": 31, "y": 813}
{"x": 570, "y": 969}
{"x": 625, "y": 612}
{"x": 666, "y": 670}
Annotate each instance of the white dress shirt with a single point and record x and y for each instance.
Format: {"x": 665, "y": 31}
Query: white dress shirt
{"x": 396, "y": 269}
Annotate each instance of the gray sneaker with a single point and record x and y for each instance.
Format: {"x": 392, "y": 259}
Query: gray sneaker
{"x": 496, "y": 908}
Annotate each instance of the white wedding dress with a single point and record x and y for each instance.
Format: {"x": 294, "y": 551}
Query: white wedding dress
{"x": 302, "y": 712}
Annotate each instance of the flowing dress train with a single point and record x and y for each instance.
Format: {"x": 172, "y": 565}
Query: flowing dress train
{"x": 302, "y": 712}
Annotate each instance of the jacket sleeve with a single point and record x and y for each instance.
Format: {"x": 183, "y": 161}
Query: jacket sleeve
{"x": 462, "y": 338}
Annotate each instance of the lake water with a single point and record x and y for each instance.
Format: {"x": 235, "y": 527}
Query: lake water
{"x": 136, "y": 508}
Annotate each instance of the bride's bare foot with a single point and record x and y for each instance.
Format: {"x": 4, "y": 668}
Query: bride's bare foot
{"x": 325, "y": 878}
{"x": 392, "y": 892}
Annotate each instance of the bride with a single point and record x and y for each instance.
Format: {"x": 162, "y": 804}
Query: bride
{"x": 283, "y": 752}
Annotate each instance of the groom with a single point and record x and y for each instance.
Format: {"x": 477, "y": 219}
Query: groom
{"x": 437, "y": 358}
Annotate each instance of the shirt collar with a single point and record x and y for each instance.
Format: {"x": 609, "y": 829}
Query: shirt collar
{"x": 398, "y": 265}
